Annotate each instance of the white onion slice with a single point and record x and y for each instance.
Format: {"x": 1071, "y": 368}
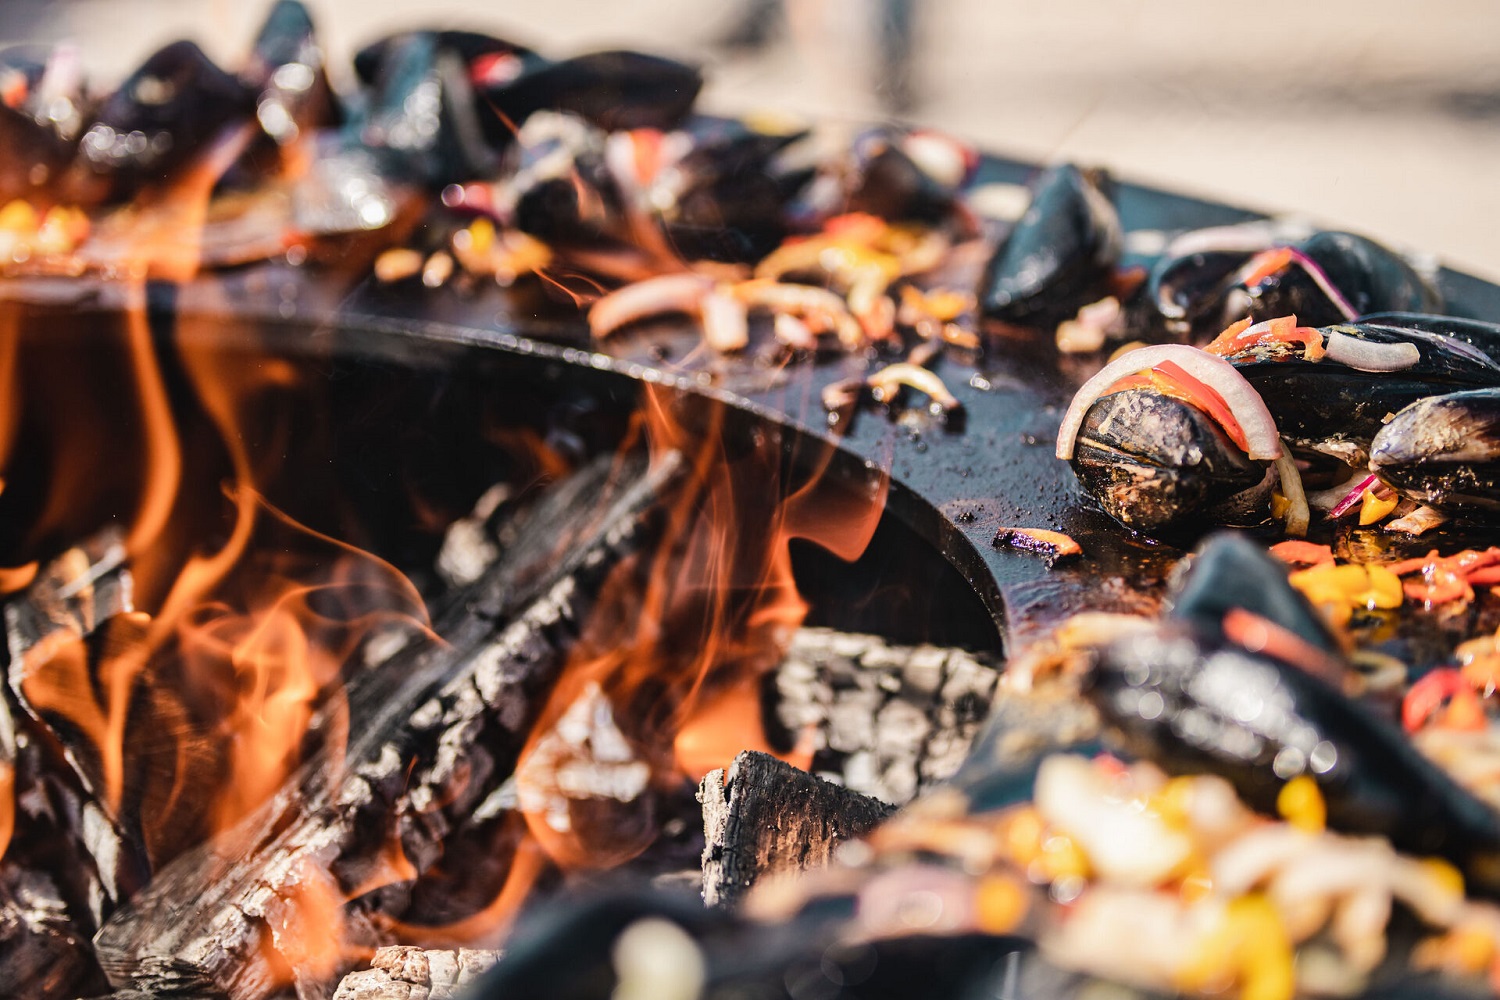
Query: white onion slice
{"x": 652, "y": 296}
{"x": 1221, "y": 376}
{"x": 1297, "y": 514}
{"x": 1369, "y": 356}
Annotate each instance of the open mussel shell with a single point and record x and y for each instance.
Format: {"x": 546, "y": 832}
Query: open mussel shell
{"x": 1476, "y": 333}
{"x": 1194, "y": 703}
{"x": 1157, "y": 462}
{"x": 1444, "y": 451}
{"x": 1368, "y": 276}
{"x": 164, "y": 113}
{"x": 1059, "y": 256}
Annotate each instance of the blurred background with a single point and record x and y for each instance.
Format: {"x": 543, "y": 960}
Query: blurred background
{"x": 1381, "y": 116}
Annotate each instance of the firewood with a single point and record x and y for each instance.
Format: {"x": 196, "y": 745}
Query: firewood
{"x": 890, "y": 720}
{"x": 434, "y": 731}
{"x": 406, "y": 973}
{"x": 765, "y": 817}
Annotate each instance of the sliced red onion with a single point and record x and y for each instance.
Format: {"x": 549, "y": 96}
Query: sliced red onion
{"x": 1352, "y": 498}
{"x": 1321, "y": 279}
{"x": 1368, "y": 355}
{"x": 1221, "y": 376}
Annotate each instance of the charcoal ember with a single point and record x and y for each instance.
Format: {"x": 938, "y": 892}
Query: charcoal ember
{"x": 890, "y": 720}
{"x": 434, "y": 731}
{"x": 764, "y": 817}
{"x": 406, "y": 973}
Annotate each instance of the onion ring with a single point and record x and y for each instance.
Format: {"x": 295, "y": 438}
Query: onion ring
{"x": 1369, "y": 356}
{"x": 1241, "y": 398}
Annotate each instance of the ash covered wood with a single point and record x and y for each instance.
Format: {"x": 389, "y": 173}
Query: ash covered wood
{"x": 892, "y": 720}
{"x": 765, "y": 817}
{"x": 434, "y": 731}
{"x": 406, "y": 973}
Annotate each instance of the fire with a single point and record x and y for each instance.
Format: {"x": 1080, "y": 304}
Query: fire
{"x": 664, "y": 683}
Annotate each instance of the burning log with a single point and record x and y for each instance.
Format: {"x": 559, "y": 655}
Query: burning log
{"x": 765, "y": 817}
{"x": 405, "y": 973}
{"x": 893, "y": 720}
{"x": 434, "y": 731}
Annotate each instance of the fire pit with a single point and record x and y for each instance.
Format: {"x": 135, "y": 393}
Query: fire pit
{"x": 352, "y": 604}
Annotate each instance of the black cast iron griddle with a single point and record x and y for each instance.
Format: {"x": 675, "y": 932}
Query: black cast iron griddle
{"x": 953, "y": 484}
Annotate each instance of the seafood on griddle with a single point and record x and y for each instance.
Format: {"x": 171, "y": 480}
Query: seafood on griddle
{"x": 1207, "y": 280}
{"x": 1162, "y": 447}
{"x": 1060, "y": 256}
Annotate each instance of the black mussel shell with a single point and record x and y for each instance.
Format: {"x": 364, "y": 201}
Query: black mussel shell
{"x": 1188, "y": 292}
{"x": 288, "y": 71}
{"x": 1157, "y": 462}
{"x": 1444, "y": 451}
{"x": 421, "y": 116}
{"x": 1059, "y": 256}
{"x": 1337, "y": 409}
{"x": 1193, "y": 704}
{"x": 895, "y": 186}
{"x": 1230, "y": 571}
{"x": 612, "y": 90}
{"x": 562, "y": 189}
{"x": 731, "y": 205}
{"x": 1370, "y": 278}
{"x": 1476, "y": 333}
{"x": 164, "y": 113}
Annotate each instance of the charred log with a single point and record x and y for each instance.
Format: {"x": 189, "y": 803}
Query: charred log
{"x": 434, "y": 731}
{"x": 405, "y": 973}
{"x": 764, "y": 817}
{"x": 891, "y": 720}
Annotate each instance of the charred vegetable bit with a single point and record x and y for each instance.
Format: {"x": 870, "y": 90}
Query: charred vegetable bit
{"x": 1054, "y": 545}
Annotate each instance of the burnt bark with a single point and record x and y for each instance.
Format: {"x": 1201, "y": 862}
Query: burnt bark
{"x": 405, "y": 973}
{"x": 890, "y": 720}
{"x": 434, "y": 731}
{"x": 763, "y": 817}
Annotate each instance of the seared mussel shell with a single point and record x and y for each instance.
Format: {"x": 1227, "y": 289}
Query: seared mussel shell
{"x": 1194, "y": 703}
{"x": 1366, "y": 276}
{"x": 1060, "y": 255}
{"x": 1152, "y": 460}
{"x": 1444, "y": 451}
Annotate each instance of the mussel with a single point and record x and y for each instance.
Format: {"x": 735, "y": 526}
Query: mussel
{"x": 288, "y": 73}
{"x": 1209, "y": 279}
{"x": 1154, "y": 461}
{"x": 159, "y": 119}
{"x": 1444, "y": 451}
{"x": 1059, "y": 256}
{"x": 613, "y": 90}
{"x": 1193, "y": 703}
{"x": 1335, "y": 407}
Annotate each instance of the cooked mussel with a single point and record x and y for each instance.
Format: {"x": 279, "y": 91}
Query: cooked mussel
{"x": 1334, "y": 277}
{"x": 1336, "y": 407}
{"x": 1195, "y": 703}
{"x": 612, "y": 90}
{"x": 1153, "y": 461}
{"x": 1059, "y": 256}
{"x": 1208, "y": 279}
{"x": 288, "y": 73}
{"x": 1444, "y": 451}
{"x": 159, "y": 119}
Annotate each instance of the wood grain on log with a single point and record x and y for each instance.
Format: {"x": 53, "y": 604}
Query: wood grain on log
{"x": 765, "y": 817}
{"x": 433, "y": 732}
